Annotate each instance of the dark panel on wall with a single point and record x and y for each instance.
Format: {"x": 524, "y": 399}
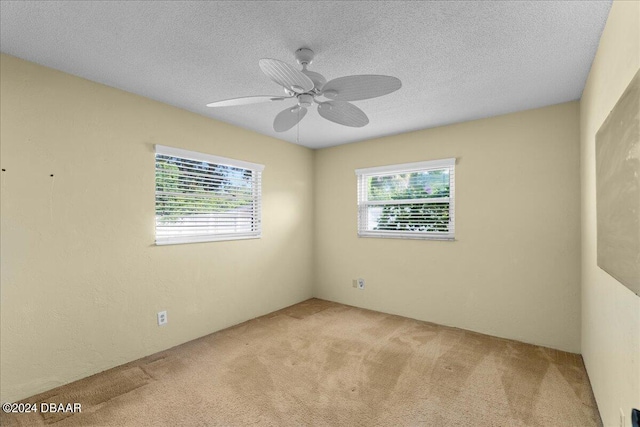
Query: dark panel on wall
{"x": 618, "y": 189}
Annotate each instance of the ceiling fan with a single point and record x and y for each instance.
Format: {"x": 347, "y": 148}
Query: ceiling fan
{"x": 306, "y": 86}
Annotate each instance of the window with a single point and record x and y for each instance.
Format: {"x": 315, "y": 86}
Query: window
{"x": 410, "y": 201}
{"x": 201, "y": 198}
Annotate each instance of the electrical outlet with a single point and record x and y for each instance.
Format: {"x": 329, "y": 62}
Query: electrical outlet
{"x": 354, "y": 283}
{"x": 162, "y": 318}
{"x": 360, "y": 283}
{"x": 622, "y": 418}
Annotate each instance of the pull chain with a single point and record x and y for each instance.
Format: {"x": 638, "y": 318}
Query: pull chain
{"x": 298, "y": 128}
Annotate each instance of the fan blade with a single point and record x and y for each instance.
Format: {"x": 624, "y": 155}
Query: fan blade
{"x": 288, "y": 118}
{"x": 318, "y": 79}
{"x": 343, "y": 113}
{"x": 286, "y": 75}
{"x": 247, "y": 100}
{"x": 355, "y": 88}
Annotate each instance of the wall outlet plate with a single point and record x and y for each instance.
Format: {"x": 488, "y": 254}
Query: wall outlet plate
{"x": 360, "y": 283}
{"x": 162, "y": 318}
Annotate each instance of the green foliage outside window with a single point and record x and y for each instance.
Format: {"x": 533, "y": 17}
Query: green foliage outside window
{"x": 199, "y": 188}
{"x": 422, "y": 217}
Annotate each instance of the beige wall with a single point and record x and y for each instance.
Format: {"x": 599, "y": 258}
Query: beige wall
{"x": 610, "y": 311}
{"x": 514, "y": 269}
{"x": 81, "y": 278}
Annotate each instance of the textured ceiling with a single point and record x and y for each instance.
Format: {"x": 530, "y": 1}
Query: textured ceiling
{"x": 458, "y": 61}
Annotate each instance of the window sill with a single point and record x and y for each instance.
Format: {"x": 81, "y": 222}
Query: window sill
{"x": 203, "y": 239}
{"x": 408, "y": 236}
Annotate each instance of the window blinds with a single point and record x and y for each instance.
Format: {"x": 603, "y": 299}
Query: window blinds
{"x": 200, "y": 197}
{"x": 411, "y": 200}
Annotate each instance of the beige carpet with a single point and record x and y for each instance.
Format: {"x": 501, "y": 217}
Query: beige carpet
{"x": 325, "y": 364}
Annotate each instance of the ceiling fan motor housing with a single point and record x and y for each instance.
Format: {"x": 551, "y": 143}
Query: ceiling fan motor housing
{"x": 305, "y": 100}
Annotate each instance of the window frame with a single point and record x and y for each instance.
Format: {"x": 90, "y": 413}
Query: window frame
{"x": 256, "y": 218}
{"x": 363, "y": 204}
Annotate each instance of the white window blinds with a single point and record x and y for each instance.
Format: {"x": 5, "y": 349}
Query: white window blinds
{"x": 411, "y": 200}
{"x": 200, "y": 197}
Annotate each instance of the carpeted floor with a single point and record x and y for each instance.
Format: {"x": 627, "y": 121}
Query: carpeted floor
{"x": 319, "y": 363}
